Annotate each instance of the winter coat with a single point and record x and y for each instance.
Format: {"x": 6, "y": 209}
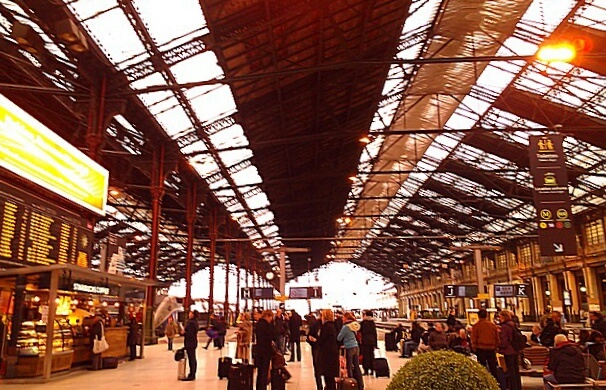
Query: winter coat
{"x": 567, "y": 363}
{"x": 294, "y": 324}
{"x": 600, "y": 326}
{"x": 347, "y": 335}
{"x": 506, "y": 336}
{"x": 369, "y": 333}
{"x": 172, "y": 329}
{"x": 438, "y": 340}
{"x": 191, "y": 334}
{"x": 328, "y": 350}
{"x": 265, "y": 335}
{"x": 485, "y": 335}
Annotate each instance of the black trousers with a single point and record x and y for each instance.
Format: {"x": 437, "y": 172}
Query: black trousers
{"x": 295, "y": 344}
{"x": 317, "y": 368}
{"x": 193, "y": 363}
{"x": 368, "y": 357}
{"x": 262, "y": 363}
{"x": 488, "y": 358}
{"x": 513, "y": 372}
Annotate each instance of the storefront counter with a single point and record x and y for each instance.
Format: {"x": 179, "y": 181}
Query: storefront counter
{"x": 29, "y": 366}
{"x": 116, "y": 338}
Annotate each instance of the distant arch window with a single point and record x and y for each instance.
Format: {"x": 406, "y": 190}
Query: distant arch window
{"x": 594, "y": 232}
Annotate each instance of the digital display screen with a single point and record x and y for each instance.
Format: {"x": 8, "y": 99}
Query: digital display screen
{"x": 504, "y": 290}
{"x": 31, "y": 150}
{"x": 298, "y": 293}
{"x": 263, "y": 293}
{"x": 35, "y": 232}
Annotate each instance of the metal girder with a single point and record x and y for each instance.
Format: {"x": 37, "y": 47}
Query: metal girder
{"x": 534, "y": 107}
{"x": 170, "y": 57}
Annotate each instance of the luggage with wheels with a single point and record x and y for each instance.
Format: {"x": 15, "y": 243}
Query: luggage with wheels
{"x": 182, "y": 369}
{"x": 240, "y": 377}
{"x": 390, "y": 342}
{"x": 224, "y": 365}
{"x": 277, "y": 381}
{"x": 346, "y": 384}
{"x": 110, "y": 362}
{"x": 381, "y": 367}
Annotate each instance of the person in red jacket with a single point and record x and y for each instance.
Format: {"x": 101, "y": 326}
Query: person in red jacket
{"x": 485, "y": 341}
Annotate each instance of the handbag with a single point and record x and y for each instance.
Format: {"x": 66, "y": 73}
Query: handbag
{"x": 100, "y": 345}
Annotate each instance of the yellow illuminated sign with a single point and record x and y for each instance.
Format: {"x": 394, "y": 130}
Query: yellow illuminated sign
{"x": 29, "y": 149}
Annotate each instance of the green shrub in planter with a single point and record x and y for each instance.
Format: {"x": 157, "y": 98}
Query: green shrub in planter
{"x": 442, "y": 370}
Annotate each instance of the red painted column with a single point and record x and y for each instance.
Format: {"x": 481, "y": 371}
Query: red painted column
{"x": 238, "y": 266}
{"x": 212, "y": 235}
{"x": 227, "y": 262}
{"x": 157, "y": 192}
{"x": 191, "y": 221}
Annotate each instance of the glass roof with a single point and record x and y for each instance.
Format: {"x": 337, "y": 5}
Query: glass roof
{"x": 180, "y": 112}
{"x": 565, "y": 84}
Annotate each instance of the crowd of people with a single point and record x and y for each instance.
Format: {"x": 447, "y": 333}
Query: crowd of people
{"x": 334, "y": 339}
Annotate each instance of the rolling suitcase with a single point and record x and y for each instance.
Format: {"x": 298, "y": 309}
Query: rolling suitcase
{"x": 390, "y": 342}
{"x": 224, "y": 365}
{"x": 181, "y": 369}
{"x": 110, "y": 362}
{"x": 277, "y": 381}
{"x": 240, "y": 377}
{"x": 346, "y": 384}
{"x": 381, "y": 367}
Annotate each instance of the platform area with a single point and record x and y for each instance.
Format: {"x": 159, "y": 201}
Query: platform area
{"x": 159, "y": 371}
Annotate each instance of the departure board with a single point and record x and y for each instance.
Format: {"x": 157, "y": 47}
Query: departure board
{"x": 35, "y": 232}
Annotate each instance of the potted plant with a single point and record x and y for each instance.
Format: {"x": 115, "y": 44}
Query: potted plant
{"x": 442, "y": 370}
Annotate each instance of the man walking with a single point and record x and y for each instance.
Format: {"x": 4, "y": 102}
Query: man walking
{"x": 485, "y": 340}
{"x": 191, "y": 343}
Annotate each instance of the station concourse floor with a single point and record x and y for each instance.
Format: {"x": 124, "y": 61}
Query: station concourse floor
{"x": 158, "y": 370}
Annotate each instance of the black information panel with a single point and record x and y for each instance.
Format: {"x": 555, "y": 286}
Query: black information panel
{"x": 35, "y": 232}
{"x": 305, "y": 292}
{"x": 257, "y": 293}
{"x": 460, "y": 291}
{"x": 511, "y": 290}
{"x": 551, "y": 198}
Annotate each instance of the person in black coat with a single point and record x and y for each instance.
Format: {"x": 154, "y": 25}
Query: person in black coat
{"x": 134, "y": 337}
{"x": 368, "y": 330}
{"x": 191, "y": 343}
{"x": 328, "y": 349}
{"x": 96, "y": 332}
{"x": 265, "y": 335}
{"x": 566, "y": 361}
{"x": 597, "y": 322}
{"x": 294, "y": 324}
{"x": 313, "y": 334}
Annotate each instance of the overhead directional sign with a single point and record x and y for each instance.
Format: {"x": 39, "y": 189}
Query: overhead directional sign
{"x": 460, "y": 291}
{"x": 257, "y": 293}
{"x": 551, "y": 198}
{"x": 511, "y": 290}
{"x": 305, "y": 292}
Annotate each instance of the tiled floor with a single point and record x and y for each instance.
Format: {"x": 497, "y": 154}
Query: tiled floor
{"x": 159, "y": 371}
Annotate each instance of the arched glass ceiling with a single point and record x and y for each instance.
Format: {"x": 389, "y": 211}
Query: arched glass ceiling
{"x": 220, "y": 155}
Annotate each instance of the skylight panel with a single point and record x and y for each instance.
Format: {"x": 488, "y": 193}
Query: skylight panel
{"x": 151, "y": 98}
{"x": 168, "y": 20}
{"x": 230, "y": 137}
{"x": 248, "y": 176}
{"x": 85, "y": 9}
{"x": 205, "y": 165}
{"x": 120, "y": 42}
{"x": 592, "y": 15}
{"x": 173, "y": 120}
{"x": 214, "y": 104}
{"x": 201, "y": 67}
{"x": 258, "y": 201}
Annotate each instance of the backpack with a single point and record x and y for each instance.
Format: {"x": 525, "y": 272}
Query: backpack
{"x": 518, "y": 342}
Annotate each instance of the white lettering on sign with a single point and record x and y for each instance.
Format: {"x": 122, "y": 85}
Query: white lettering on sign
{"x": 91, "y": 289}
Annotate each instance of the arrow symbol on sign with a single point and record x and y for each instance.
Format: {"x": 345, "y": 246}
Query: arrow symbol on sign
{"x": 558, "y": 248}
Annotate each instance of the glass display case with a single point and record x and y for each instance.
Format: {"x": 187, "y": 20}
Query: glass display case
{"x": 32, "y": 338}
